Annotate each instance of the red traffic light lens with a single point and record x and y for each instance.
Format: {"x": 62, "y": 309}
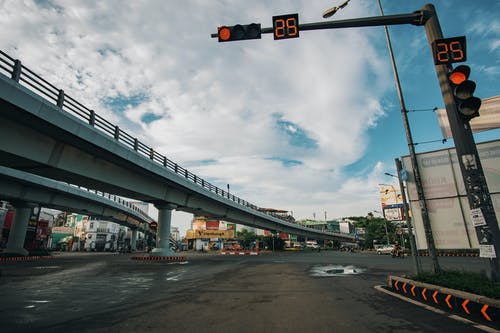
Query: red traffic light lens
{"x": 457, "y": 77}
{"x": 460, "y": 74}
{"x": 224, "y": 33}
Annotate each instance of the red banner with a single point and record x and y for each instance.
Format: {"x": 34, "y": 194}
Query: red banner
{"x": 212, "y": 225}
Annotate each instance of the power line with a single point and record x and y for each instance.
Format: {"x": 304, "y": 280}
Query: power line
{"x": 443, "y": 141}
{"x": 423, "y": 110}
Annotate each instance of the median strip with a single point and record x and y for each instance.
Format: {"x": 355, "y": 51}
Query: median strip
{"x": 470, "y": 306}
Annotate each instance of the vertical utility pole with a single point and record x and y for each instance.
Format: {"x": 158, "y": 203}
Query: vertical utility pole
{"x": 482, "y": 210}
{"x": 406, "y": 211}
{"x": 414, "y": 164}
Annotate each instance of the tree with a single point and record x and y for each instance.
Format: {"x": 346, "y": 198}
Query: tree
{"x": 246, "y": 237}
{"x": 375, "y": 229}
{"x": 279, "y": 244}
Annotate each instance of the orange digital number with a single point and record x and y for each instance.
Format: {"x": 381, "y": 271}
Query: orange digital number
{"x": 442, "y": 52}
{"x": 291, "y": 27}
{"x": 449, "y": 50}
{"x": 286, "y": 26}
{"x": 279, "y": 29}
{"x": 457, "y": 53}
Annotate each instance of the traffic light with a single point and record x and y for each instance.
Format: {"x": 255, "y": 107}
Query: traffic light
{"x": 463, "y": 90}
{"x": 239, "y": 32}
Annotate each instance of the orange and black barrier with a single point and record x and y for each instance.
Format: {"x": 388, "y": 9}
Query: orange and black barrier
{"x": 474, "y": 307}
{"x": 25, "y": 258}
{"x": 159, "y": 258}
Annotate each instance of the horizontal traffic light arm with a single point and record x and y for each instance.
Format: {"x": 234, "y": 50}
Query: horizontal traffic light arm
{"x": 416, "y": 18}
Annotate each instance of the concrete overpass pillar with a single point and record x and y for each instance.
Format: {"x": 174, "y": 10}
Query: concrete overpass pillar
{"x": 133, "y": 241}
{"x": 163, "y": 231}
{"x": 17, "y": 234}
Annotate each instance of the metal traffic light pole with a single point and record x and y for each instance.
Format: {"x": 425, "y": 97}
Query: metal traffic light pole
{"x": 416, "y": 18}
{"x": 480, "y": 203}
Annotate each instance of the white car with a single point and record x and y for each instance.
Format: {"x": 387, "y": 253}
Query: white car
{"x": 385, "y": 249}
{"x": 312, "y": 245}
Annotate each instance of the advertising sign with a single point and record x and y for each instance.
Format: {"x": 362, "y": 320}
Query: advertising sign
{"x": 197, "y": 234}
{"x": 212, "y": 225}
{"x": 452, "y": 222}
{"x": 489, "y": 117}
{"x": 392, "y": 202}
{"x": 62, "y": 230}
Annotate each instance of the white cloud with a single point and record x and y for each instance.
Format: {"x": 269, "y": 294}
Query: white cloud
{"x": 219, "y": 101}
{"x": 495, "y": 44}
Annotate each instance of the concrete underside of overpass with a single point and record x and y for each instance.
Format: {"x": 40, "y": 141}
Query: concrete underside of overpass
{"x": 18, "y": 186}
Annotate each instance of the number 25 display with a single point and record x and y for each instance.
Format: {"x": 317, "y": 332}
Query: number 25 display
{"x": 449, "y": 50}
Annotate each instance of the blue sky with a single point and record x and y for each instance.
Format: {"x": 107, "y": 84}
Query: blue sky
{"x": 308, "y": 124}
{"x": 479, "y": 23}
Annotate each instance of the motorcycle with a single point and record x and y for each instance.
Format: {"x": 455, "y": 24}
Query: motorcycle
{"x": 397, "y": 253}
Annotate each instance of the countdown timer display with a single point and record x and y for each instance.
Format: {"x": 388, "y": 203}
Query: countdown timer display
{"x": 449, "y": 50}
{"x": 286, "y": 26}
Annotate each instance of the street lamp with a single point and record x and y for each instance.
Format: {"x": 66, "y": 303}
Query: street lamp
{"x": 331, "y": 11}
{"x": 406, "y": 212}
{"x": 413, "y": 158}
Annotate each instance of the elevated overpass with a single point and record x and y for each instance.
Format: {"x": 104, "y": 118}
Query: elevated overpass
{"x": 46, "y": 132}
{"x": 19, "y": 186}
{"x": 24, "y": 189}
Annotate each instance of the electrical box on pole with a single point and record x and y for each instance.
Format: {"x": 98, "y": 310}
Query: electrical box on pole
{"x": 461, "y": 106}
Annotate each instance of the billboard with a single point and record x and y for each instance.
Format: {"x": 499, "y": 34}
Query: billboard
{"x": 446, "y": 198}
{"x": 392, "y": 202}
{"x": 489, "y": 119}
{"x": 212, "y": 225}
{"x": 201, "y": 234}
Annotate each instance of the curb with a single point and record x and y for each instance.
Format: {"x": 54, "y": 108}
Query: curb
{"x": 27, "y": 258}
{"x": 470, "y": 306}
{"x": 159, "y": 258}
{"x": 241, "y": 253}
{"x": 447, "y": 254}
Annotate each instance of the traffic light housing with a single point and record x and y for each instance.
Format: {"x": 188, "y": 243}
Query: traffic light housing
{"x": 239, "y": 32}
{"x": 463, "y": 90}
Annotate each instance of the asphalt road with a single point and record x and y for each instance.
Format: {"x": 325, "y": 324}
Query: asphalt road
{"x": 275, "y": 292}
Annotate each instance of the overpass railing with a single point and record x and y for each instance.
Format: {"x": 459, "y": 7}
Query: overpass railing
{"x": 34, "y": 82}
{"x": 116, "y": 199}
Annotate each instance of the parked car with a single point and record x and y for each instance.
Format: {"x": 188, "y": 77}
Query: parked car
{"x": 312, "y": 245}
{"x": 385, "y": 249}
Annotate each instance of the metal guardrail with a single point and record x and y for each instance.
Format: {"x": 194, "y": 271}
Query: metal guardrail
{"x": 34, "y": 82}
{"x": 117, "y": 200}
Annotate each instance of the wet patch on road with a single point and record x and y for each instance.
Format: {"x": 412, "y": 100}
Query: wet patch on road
{"x": 175, "y": 276}
{"x": 335, "y": 270}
